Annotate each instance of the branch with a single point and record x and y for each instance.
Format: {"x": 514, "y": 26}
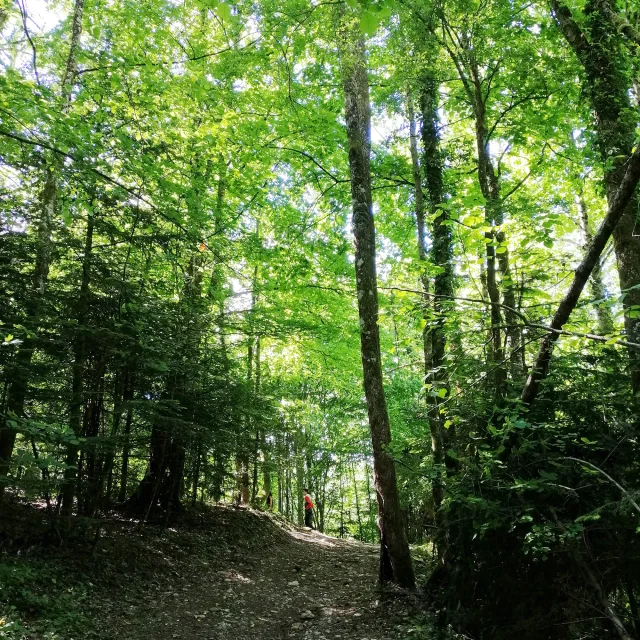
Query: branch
{"x": 456, "y": 60}
{"x": 590, "y": 336}
{"x": 618, "y": 205}
{"x": 475, "y": 300}
{"x": 525, "y": 321}
{"x": 511, "y": 107}
{"x": 521, "y": 182}
{"x": 622, "y": 25}
{"x": 609, "y": 478}
{"x": 490, "y": 78}
{"x": 23, "y": 15}
{"x": 310, "y": 157}
{"x": 171, "y": 63}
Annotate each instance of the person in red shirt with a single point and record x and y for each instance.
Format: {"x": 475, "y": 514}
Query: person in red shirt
{"x": 308, "y": 510}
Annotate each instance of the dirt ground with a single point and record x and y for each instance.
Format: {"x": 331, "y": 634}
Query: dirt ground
{"x": 225, "y": 573}
{"x": 300, "y": 584}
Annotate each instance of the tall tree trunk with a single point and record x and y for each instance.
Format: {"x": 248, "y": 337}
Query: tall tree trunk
{"x": 422, "y": 233}
{"x": 244, "y": 478}
{"x": 321, "y": 501}
{"x": 299, "y": 463}
{"x": 434, "y": 336}
{"x": 616, "y": 121}
{"x": 77, "y": 383}
{"x": 126, "y": 446}
{"x": 394, "y": 545}
{"x": 341, "y": 483}
{"x": 357, "y": 497}
{"x": 254, "y": 479}
{"x": 288, "y": 495}
{"x": 280, "y": 447}
{"x": 490, "y": 187}
{"x": 497, "y": 251}
{"x": 196, "y": 474}
{"x": 92, "y": 490}
{"x": 218, "y": 476}
{"x": 150, "y": 488}
{"x": 256, "y": 449}
{"x": 442, "y": 257}
{"x": 106, "y": 469}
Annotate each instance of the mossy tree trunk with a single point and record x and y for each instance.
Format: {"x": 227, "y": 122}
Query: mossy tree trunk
{"x": 395, "y": 558}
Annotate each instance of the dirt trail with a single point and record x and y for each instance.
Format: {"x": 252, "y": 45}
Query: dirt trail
{"x": 266, "y": 585}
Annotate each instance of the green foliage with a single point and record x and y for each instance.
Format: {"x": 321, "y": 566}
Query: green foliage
{"x": 38, "y": 592}
{"x": 208, "y": 323}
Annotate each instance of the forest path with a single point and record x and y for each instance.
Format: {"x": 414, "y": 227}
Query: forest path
{"x": 284, "y": 584}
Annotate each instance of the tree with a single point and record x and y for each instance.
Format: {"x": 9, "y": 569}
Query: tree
{"x": 395, "y": 558}
{"x": 608, "y": 86}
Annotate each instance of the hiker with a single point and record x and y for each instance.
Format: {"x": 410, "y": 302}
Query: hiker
{"x": 308, "y": 510}
{"x": 270, "y": 501}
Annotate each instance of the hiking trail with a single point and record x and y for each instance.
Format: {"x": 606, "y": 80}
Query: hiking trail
{"x": 253, "y": 580}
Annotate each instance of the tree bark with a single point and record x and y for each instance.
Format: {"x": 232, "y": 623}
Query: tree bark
{"x": 196, "y": 474}
{"x": 442, "y": 252}
{"x": 357, "y": 497}
{"x": 394, "y": 544}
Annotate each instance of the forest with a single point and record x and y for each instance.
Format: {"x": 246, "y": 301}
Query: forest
{"x": 384, "y": 251}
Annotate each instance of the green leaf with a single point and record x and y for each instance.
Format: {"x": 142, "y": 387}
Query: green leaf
{"x": 224, "y": 11}
{"x": 369, "y": 23}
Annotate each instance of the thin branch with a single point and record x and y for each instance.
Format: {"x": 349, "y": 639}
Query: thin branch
{"x": 23, "y": 15}
{"x": 521, "y": 182}
{"x": 310, "y": 157}
{"x": 473, "y": 300}
{"x": 526, "y": 323}
{"x": 609, "y": 478}
{"x": 171, "y": 63}
{"x": 490, "y": 78}
{"x": 514, "y": 105}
